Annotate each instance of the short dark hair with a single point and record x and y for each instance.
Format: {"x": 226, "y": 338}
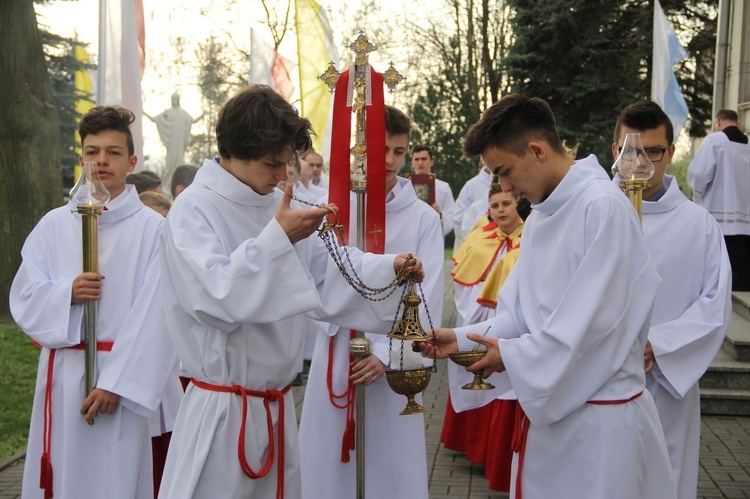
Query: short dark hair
{"x": 101, "y": 118}
{"x": 644, "y": 115}
{"x": 183, "y": 175}
{"x": 510, "y": 124}
{"x": 142, "y": 182}
{"x": 420, "y": 148}
{"x": 258, "y": 121}
{"x": 396, "y": 122}
{"x": 149, "y": 173}
{"x": 494, "y": 188}
{"x": 727, "y": 114}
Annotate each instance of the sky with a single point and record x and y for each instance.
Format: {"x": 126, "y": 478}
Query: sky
{"x": 174, "y": 28}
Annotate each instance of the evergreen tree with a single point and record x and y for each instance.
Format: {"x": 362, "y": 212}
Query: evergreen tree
{"x": 591, "y": 58}
{"x": 62, "y": 65}
{"x": 463, "y": 76}
{"x": 216, "y": 80}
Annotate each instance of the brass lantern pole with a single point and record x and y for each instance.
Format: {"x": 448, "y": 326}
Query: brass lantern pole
{"x": 633, "y": 188}
{"x": 90, "y": 239}
{"x": 89, "y": 196}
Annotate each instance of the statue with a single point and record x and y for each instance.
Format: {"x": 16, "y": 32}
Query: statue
{"x": 174, "y": 126}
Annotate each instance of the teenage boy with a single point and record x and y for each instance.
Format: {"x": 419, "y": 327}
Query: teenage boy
{"x": 572, "y": 319}
{"x": 693, "y": 305}
{"x": 422, "y": 162}
{"x": 395, "y": 464}
{"x": 239, "y": 270}
{"x": 68, "y": 455}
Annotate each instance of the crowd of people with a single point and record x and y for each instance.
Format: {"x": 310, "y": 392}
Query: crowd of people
{"x": 597, "y": 325}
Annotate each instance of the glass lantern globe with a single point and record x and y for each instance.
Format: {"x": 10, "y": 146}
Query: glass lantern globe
{"x": 89, "y": 190}
{"x": 633, "y": 163}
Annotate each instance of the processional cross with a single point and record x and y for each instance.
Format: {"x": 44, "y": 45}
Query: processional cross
{"x": 359, "y": 90}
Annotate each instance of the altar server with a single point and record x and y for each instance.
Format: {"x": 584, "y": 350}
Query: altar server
{"x": 693, "y": 306}
{"x": 572, "y": 319}
{"x": 68, "y": 455}
{"x": 395, "y": 452}
{"x": 239, "y": 270}
{"x": 475, "y": 189}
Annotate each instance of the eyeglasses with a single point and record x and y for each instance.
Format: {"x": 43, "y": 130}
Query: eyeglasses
{"x": 652, "y": 153}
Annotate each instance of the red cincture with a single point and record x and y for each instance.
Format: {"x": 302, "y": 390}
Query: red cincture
{"x": 45, "y": 478}
{"x": 521, "y": 432}
{"x": 267, "y": 396}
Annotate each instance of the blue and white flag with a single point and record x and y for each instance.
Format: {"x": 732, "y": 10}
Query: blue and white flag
{"x": 668, "y": 51}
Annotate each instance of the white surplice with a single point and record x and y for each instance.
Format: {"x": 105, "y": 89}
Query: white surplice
{"x": 719, "y": 175}
{"x": 444, "y": 199}
{"x": 235, "y": 288}
{"x": 477, "y": 187}
{"x": 316, "y": 191}
{"x": 476, "y": 211}
{"x": 573, "y": 319}
{"x": 691, "y": 314}
{"x": 111, "y": 458}
{"x": 395, "y": 453}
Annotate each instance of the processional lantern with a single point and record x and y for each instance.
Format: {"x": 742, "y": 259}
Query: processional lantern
{"x": 89, "y": 195}
{"x": 635, "y": 170}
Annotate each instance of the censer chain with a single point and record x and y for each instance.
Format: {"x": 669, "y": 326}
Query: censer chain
{"x": 355, "y": 282}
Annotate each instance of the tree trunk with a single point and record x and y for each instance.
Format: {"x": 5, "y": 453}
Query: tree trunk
{"x": 30, "y": 179}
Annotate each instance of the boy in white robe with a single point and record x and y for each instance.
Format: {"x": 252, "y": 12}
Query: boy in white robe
{"x": 693, "y": 305}
{"x": 475, "y": 189}
{"x": 111, "y": 458}
{"x": 395, "y": 452}
{"x": 239, "y": 271}
{"x": 572, "y": 319}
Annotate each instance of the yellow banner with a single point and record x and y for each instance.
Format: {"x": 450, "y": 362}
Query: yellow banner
{"x": 315, "y": 50}
{"x": 84, "y": 103}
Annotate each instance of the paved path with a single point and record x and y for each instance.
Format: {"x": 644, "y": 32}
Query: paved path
{"x": 724, "y": 459}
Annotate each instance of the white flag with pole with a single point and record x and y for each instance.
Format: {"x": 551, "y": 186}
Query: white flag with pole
{"x": 121, "y": 61}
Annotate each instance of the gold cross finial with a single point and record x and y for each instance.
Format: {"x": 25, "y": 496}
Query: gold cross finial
{"x": 392, "y": 77}
{"x": 330, "y": 77}
{"x": 362, "y": 48}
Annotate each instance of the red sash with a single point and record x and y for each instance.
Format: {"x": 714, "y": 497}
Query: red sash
{"x": 267, "y": 396}
{"x": 521, "y": 432}
{"x": 348, "y": 439}
{"x": 45, "y": 478}
{"x": 339, "y": 194}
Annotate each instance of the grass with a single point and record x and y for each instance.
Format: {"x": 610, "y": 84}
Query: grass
{"x": 18, "y": 365}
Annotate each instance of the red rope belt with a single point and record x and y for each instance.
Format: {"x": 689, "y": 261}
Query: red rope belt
{"x": 45, "y": 470}
{"x": 347, "y": 441}
{"x": 267, "y": 396}
{"x": 521, "y": 432}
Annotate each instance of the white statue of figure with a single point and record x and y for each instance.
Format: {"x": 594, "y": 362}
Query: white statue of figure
{"x": 174, "y": 126}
